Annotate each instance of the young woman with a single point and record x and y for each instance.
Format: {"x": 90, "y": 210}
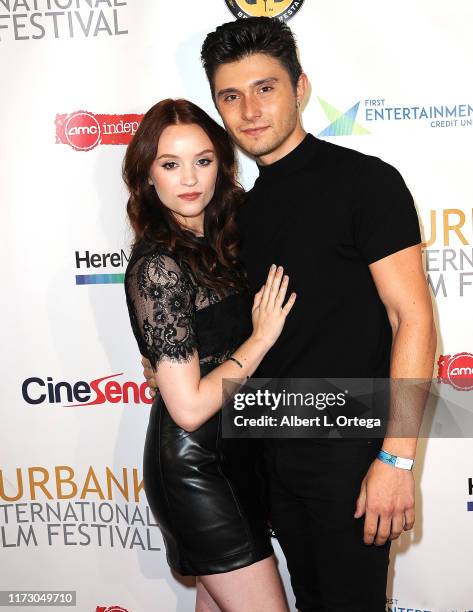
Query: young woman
{"x": 194, "y": 320}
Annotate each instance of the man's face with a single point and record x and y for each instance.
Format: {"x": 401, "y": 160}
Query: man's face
{"x": 257, "y": 103}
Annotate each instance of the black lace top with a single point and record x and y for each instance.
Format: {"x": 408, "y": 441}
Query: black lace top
{"x": 172, "y": 317}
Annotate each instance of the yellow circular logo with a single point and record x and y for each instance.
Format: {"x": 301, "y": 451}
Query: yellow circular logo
{"x": 282, "y": 9}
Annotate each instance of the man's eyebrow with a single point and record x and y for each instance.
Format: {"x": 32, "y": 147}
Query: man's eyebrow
{"x": 230, "y": 90}
{"x": 169, "y": 155}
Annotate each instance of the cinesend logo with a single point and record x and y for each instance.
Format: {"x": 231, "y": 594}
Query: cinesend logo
{"x": 89, "y": 260}
{"x": 39, "y": 390}
{"x": 83, "y": 131}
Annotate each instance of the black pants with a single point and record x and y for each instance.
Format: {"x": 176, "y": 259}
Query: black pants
{"x": 312, "y": 490}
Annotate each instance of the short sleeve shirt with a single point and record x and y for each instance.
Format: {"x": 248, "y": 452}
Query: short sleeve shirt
{"x": 326, "y": 212}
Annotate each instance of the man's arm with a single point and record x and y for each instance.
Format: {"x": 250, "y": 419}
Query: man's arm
{"x": 387, "y": 492}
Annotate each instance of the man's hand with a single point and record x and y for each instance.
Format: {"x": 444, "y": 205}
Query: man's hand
{"x": 149, "y": 375}
{"x": 387, "y": 493}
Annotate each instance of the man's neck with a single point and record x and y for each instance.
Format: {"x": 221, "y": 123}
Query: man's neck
{"x": 293, "y": 141}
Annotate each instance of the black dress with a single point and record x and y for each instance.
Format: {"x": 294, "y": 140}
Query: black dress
{"x": 203, "y": 489}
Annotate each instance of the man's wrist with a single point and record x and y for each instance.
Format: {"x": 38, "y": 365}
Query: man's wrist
{"x": 403, "y": 463}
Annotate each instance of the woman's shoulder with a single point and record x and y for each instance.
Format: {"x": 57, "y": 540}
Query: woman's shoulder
{"x": 157, "y": 255}
{"x": 151, "y": 264}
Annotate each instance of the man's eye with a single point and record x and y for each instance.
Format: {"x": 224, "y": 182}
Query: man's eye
{"x": 204, "y": 161}
{"x": 169, "y": 165}
{"x": 266, "y": 88}
{"x": 230, "y": 98}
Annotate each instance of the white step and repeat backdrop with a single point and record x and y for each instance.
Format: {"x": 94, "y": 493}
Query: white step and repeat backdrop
{"x": 389, "y": 79}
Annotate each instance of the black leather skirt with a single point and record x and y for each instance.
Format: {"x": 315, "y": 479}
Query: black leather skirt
{"x": 205, "y": 494}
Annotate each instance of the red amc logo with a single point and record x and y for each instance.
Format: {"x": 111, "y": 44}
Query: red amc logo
{"x": 456, "y": 370}
{"x": 83, "y": 131}
{"x": 110, "y": 609}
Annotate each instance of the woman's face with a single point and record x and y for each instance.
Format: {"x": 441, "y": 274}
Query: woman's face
{"x": 184, "y": 173}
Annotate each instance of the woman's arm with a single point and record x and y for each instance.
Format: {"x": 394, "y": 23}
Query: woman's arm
{"x": 192, "y": 400}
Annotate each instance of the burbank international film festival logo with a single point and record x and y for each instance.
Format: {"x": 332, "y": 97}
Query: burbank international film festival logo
{"x": 282, "y": 9}
{"x": 61, "y": 19}
{"x": 83, "y": 131}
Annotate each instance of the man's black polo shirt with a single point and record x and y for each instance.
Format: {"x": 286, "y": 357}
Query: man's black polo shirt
{"x": 326, "y": 212}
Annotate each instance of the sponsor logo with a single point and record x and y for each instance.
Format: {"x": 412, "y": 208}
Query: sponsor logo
{"x": 83, "y": 131}
{"x": 374, "y": 112}
{"x": 341, "y": 123}
{"x": 448, "y": 251}
{"x": 456, "y": 370}
{"x": 61, "y": 19}
{"x": 469, "y": 504}
{"x": 76, "y": 506}
{"x": 88, "y": 259}
{"x": 282, "y": 9}
{"x": 36, "y": 390}
{"x": 392, "y": 605}
{"x": 110, "y": 609}
{"x": 435, "y": 116}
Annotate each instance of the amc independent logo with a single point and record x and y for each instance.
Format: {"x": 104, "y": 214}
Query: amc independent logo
{"x": 83, "y": 131}
{"x": 456, "y": 370}
{"x": 110, "y": 609}
{"x": 282, "y": 9}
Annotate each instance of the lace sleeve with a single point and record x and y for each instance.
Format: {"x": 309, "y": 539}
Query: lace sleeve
{"x": 160, "y": 299}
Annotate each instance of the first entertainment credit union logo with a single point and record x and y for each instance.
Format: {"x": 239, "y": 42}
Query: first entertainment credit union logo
{"x": 282, "y": 9}
{"x": 83, "y": 131}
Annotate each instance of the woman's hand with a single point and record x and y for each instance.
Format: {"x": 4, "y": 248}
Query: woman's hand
{"x": 268, "y": 312}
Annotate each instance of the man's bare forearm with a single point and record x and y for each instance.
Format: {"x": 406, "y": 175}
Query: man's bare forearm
{"x": 412, "y": 362}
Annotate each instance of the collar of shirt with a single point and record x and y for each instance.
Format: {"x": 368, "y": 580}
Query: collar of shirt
{"x": 293, "y": 161}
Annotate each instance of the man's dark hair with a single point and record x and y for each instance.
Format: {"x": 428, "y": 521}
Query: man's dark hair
{"x": 238, "y": 39}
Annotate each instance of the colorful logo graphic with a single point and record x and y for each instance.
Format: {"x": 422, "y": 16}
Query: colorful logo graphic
{"x": 341, "y": 123}
{"x": 282, "y": 9}
{"x": 89, "y": 259}
{"x": 99, "y": 279}
{"x": 83, "y": 131}
{"x": 37, "y": 390}
{"x": 456, "y": 370}
{"x": 110, "y": 609}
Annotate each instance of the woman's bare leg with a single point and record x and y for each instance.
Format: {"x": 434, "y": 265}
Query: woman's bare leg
{"x": 204, "y": 601}
{"x": 255, "y": 588}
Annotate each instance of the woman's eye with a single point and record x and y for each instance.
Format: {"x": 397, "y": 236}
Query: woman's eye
{"x": 204, "y": 162}
{"x": 169, "y": 165}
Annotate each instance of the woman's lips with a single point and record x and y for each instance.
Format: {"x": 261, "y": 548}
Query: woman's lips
{"x": 190, "y": 196}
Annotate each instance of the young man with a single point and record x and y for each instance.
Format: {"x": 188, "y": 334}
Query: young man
{"x": 344, "y": 226}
